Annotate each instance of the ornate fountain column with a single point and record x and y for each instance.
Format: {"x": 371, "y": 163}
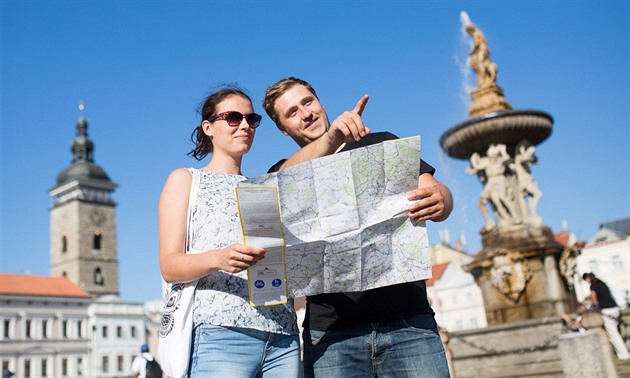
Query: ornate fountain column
{"x": 518, "y": 269}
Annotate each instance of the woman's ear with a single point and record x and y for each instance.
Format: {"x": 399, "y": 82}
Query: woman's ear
{"x": 207, "y": 128}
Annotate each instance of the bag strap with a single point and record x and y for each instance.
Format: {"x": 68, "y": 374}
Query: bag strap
{"x": 194, "y": 189}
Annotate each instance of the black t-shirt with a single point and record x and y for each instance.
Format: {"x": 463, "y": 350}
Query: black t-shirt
{"x": 604, "y": 298}
{"x": 325, "y": 311}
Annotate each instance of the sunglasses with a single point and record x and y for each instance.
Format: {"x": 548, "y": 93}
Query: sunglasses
{"x": 235, "y": 118}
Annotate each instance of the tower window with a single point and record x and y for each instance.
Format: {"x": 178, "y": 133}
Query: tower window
{"x": 98, "y": 277}
{"x": 64, "y": 244}
{"x": 96, "y": 241}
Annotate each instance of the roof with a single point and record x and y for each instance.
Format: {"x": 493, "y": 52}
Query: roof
{"x": 621, "y": 227}
{"x": 437, "y": 271}
{"x": 24, "y": 284}
{"x": 562, "y": 238}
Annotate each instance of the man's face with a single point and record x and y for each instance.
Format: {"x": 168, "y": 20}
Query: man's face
{"x": 300, "y": 115}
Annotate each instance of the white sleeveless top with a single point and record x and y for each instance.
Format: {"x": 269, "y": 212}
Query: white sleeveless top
{"x": 222, "y": 298}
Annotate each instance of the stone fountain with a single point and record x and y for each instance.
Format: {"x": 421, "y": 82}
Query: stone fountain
{"x": 522, "y": 271}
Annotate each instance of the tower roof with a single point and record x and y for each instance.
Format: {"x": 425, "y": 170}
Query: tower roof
{"x": 83, "y": 167}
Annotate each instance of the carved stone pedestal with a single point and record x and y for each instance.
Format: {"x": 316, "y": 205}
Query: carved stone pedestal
{"x": 518, "y": 274}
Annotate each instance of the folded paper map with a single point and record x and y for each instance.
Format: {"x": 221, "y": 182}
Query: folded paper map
{"x": 340, "y": 221}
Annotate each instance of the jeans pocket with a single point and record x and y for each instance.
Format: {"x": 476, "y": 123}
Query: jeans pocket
{"x": 313, "y": 337}
{"x": 424, "y": 324}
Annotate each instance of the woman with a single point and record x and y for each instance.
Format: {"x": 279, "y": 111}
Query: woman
{"x": 230, "y": 337}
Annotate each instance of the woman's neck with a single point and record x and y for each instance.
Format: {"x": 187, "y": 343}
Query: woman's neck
{"x": 224, "y": 164}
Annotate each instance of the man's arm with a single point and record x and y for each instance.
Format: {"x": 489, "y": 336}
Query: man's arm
{"x": 594, "y": 300}
{"x": 348, "y": 127}
{"x": 433, "y": 200}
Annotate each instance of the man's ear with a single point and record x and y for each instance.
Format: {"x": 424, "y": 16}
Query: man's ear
{"x": 282, "y": 130}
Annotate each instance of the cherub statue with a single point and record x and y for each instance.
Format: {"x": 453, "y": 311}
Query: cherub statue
{"x": 491, "y": 171}
{"x": 523, "y": 159}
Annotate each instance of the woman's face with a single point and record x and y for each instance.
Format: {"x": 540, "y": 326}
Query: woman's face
{"x": 231, "y": 140}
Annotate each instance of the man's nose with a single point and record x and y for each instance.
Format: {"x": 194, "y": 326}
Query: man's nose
{"x": 305, "y": 113}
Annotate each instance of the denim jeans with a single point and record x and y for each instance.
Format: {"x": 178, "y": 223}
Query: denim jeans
{"x": 405, "y": 347}
{"x": 244, "y": 353}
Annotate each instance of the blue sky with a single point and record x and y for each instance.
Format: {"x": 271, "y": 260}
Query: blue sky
{"x": 142, "y": 68}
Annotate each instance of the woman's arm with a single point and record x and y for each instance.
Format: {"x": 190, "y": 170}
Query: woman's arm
{"x": 175, "y": 264}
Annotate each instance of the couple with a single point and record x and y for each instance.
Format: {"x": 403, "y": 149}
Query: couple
{"x": 383, "y": 332}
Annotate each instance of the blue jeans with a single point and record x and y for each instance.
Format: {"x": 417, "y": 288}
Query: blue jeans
{"x": 405, "y": 347}
{"x": 239, "y": 352}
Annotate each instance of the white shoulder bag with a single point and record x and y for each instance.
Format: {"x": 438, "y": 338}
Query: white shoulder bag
{"x": 175, "y": 339}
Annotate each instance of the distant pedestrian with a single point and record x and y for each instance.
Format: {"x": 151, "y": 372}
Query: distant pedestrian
{"x": 603, "y": 301}
{"x": 6, "y": 373}
{"x": 145, "y": 365}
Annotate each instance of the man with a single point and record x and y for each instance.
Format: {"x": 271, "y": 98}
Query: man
{"x": 145, "y": 365}
{"x": 602, "y": 299}
{"x": 384, "y": 332}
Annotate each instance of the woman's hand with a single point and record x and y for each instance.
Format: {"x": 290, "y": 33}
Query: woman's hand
{"x": 238, "y": 257}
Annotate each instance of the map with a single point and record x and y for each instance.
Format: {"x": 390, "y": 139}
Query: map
{"x": 344, "y": 222}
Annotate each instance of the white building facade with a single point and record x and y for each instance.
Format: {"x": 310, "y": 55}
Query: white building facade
{"x": 607, "y": 255}
{"x": 456, "y": 299}
{"x": 43, "y": 334}
{"x": 453, "y": 293}
{"x": 117, "y": 330}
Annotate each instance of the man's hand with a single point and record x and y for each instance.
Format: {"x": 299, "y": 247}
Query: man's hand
{"x": 433, "y": 200}
{"x": 349, "y": 127}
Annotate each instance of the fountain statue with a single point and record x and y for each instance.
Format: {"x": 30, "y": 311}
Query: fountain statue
{"x": 519, "y": 266}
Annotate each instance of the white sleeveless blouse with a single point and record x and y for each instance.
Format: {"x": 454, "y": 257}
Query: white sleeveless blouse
{"x": 222, "y": 298}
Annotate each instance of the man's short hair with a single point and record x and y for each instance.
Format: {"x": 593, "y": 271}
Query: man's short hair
{"x": 278, "y": 89}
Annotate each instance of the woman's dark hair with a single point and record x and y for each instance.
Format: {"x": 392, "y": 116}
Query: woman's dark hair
{"x": 589, "y": 275}
{"x": 203, "y": 142}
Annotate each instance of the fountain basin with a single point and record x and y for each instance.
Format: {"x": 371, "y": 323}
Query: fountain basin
{"x": 507, "y": 127}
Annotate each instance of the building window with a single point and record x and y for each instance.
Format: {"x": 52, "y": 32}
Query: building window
{"x": 98, "y": 277}
{"x": 104, "y": 332}
{"x": 617, "y": 264}
{"x": 6, "y": 324}
{"x": 458, "y": 324}
{"x": 64, "y": 244}
{"x": 119, "y": 332}
{"x": 27, "y": 368}
{"x": 121, "y": 365}
{"x": 64, "y": 329}
{"x": 473, "y": 323}
{"x": 44, "y": 329}
{"x": 44, "y": 368}
{"x": 105, "y": 366}
{"x": 79, "y": 326}
{"x": 27, "y": 330}
{"x": 64, "y": 367}
{"x": 133, "y": 332}
{"x": 96, "y": 241}
{"x": 80, "y": 367}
